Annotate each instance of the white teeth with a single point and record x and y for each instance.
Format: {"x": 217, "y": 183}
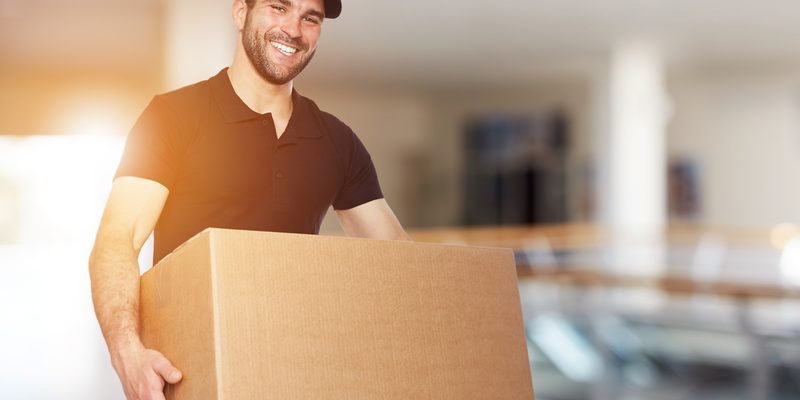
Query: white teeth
{"x": 284, "y": 48}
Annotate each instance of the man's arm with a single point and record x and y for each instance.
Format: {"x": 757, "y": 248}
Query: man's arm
{"x": 373, "y": 220}
{"x": 131, "y": 212}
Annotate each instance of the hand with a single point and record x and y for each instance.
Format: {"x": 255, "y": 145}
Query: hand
{"x": 144, "y": 372}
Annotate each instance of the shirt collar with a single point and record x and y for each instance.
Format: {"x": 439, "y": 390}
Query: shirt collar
{"x": 232, "y": 107}
{"x": 301, "y": 123}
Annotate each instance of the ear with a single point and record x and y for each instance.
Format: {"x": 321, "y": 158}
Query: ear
{"x": 239, "y": 13}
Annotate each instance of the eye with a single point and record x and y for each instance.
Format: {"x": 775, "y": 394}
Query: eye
{"x": 313, "y": 20}
{"x": 278, "y": 8}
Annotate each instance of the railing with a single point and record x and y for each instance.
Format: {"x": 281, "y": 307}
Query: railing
{"x": 718, "y": 319}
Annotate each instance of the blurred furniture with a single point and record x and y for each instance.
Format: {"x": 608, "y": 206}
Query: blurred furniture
{"x": 515, "y": 169}
{"x": 719, "y": 320}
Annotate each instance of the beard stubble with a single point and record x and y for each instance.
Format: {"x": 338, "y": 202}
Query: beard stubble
{"x": 256, "y": 49}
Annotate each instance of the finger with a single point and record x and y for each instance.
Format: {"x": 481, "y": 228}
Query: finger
{"x": 154, "y": 389}
{"x": 166, "y": 370}
{"x": 154, "y": 395}
{"x": 158, "y": 396}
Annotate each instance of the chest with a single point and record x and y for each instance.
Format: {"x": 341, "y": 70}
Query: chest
{"x": 247, "y": 162}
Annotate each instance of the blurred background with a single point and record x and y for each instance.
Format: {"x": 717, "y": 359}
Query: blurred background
{"x": 640, "y": 156}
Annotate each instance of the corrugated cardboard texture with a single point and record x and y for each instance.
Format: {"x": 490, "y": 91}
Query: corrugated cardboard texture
{"x": 177, "y": 317}
{"x": 312, "y": 317}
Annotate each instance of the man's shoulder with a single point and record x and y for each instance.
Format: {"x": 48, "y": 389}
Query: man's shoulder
{"x": 329, "y": 122}
{"x": 186, "y": 99}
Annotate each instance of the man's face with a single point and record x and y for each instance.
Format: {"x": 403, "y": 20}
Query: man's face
{"x": 280, "y": 37}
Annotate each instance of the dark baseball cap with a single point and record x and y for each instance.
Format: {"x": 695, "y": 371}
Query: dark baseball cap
{"x": 333, "y": 8}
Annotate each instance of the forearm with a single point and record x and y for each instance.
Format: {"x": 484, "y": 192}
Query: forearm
{"x": 114, "y": 272}
{"x": 373, "y": 220}
{"x": 400, "y": 234}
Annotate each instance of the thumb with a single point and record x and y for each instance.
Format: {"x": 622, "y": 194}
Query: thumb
{"x": 166, "y": 370}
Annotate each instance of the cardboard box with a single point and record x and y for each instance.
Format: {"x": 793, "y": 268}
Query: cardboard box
{"x": 257, "y": 315}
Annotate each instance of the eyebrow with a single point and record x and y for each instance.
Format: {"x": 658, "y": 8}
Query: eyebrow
{"x": 312, "y": 12}
{"x": 316, "y": 13}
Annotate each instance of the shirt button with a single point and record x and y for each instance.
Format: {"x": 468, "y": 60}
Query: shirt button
{"x": 265, "y": 122}
{"x": 279, "y": 175}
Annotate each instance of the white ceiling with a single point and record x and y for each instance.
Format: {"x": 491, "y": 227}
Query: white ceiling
{"x": 513, "y": 39}
{"x": 429, "y": 41}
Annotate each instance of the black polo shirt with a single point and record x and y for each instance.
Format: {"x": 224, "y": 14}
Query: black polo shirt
{"x": 225, "y": 167}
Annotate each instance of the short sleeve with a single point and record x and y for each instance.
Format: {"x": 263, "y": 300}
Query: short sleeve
{"x": 361, "y": 181}
{"x": 151, "y": 148}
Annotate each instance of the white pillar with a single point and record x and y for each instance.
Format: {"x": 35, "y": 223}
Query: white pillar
{"x": 632, "y": 110}
{"x": 200, "y": 39}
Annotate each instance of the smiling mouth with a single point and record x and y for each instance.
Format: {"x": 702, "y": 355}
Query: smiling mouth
{"x": 287, "y": 50}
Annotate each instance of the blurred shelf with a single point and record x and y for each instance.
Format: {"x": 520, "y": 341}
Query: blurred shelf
{"x": 575, "y": 254}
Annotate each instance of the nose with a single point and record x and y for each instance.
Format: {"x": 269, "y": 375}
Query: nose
{"x": 291, "y": 26}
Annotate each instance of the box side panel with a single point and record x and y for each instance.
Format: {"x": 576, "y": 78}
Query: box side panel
{"x": 177, "y": 318}
{"x": 309, "y": 317}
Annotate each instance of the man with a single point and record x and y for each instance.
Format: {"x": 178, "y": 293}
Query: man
{"x": 242, "y": 150}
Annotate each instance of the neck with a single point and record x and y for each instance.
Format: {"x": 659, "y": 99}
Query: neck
{"x": 256, "y": 92}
